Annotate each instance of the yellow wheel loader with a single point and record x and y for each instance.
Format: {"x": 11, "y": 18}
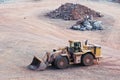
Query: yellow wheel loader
{"x": 75, "y": 53}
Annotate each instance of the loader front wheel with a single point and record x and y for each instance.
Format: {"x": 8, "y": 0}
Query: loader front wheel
{"x": 61, "y": 62}
{"x": 87, "y": 59}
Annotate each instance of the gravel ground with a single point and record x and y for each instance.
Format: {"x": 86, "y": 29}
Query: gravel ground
{"x": 25, "y": 32}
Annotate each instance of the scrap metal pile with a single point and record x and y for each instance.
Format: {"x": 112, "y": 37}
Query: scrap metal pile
{"x": 88, "y": 24}
{"x": 70, "y": 11}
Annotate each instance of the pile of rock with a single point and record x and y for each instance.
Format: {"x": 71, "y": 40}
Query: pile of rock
{"x": 70, "y": 11}
{"x": 88, "y": 24}
{"x": 116, "y": 1}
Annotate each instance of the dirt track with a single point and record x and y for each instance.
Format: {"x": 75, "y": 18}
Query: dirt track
{"x": 25, "y": 32}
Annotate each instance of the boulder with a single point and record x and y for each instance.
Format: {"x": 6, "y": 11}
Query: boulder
{"x": 88, "y": 24}
{"x": 76, "y": 27}
{"x": 97, "y": 25}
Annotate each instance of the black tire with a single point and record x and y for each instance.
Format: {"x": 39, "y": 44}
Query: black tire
{"x": 61, "y": 62}
{"x": 87, "y": 59}
{"x": 53, "y": 64}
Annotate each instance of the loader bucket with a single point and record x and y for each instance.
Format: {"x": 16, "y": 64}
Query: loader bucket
{"x": 37, "y": 64}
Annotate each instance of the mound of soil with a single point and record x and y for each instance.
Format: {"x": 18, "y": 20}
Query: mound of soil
{"x": 70, "y": 11}
{"x": 117, "y": 1}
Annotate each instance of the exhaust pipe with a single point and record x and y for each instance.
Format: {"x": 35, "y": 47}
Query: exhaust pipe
{"x": 37, "y": 64}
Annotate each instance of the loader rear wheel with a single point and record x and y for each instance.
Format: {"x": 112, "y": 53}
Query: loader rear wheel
{"x": 87, "y": 59}
{"x": 61, "y": 62}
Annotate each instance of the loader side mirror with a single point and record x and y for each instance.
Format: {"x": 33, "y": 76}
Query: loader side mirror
{"x": 86, "y": 42}
{"x": 54, "y": 50}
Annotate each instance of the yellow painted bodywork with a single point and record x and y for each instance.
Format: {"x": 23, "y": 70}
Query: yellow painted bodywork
{"x": 96, "y": 50}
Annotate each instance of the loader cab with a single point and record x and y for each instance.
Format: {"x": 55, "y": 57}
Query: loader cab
{"x": 75, "y": 46}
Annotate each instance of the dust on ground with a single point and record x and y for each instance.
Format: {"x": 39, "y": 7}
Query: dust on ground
{"x": 25, "y": 32}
